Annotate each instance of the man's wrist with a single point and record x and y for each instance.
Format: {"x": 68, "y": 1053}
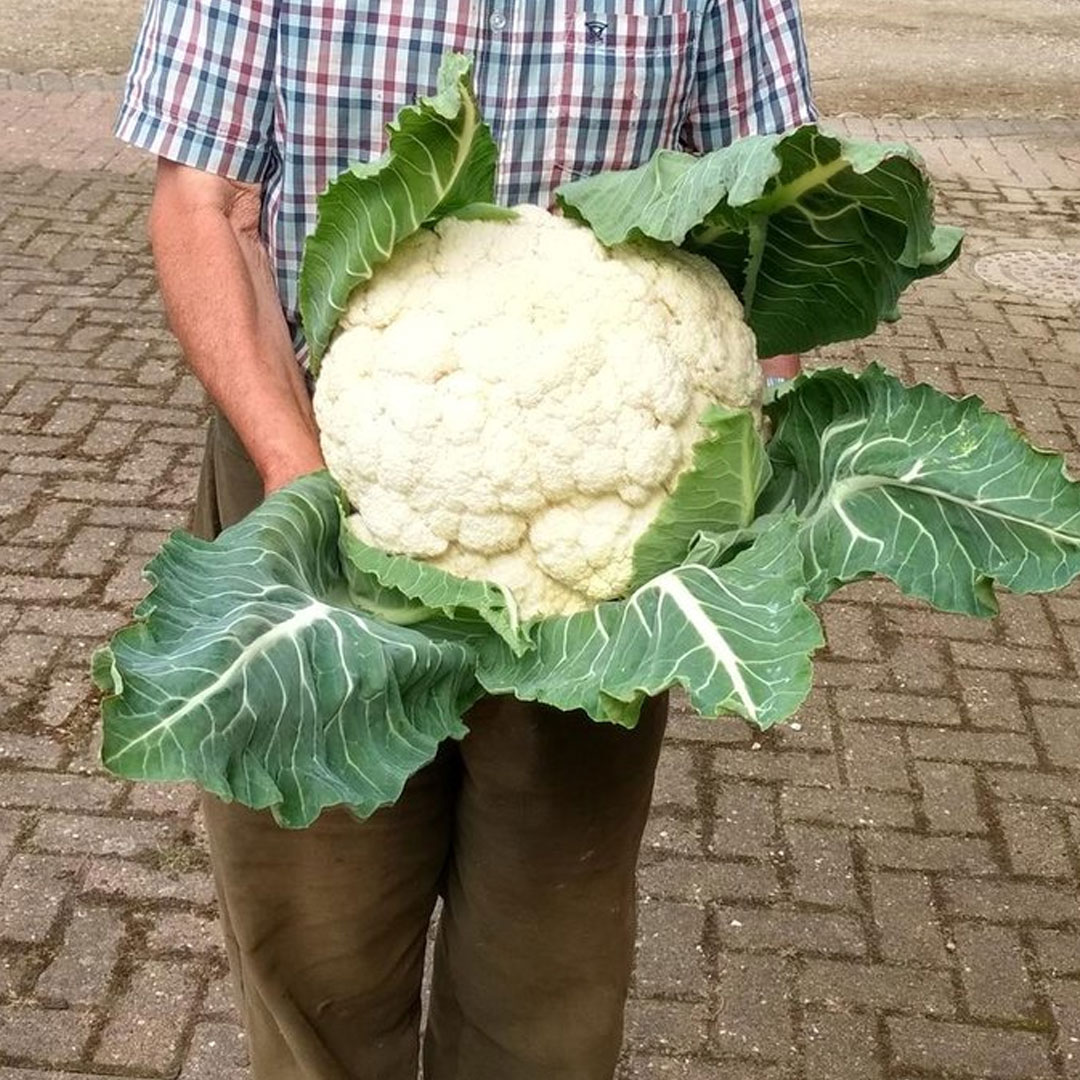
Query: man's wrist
{"x": 282, "y": 472}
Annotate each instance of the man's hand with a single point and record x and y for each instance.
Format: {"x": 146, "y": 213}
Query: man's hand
{"x": 223, "y": 306}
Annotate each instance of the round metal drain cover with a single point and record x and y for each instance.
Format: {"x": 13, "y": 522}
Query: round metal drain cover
{"x": 1054, "y": 275}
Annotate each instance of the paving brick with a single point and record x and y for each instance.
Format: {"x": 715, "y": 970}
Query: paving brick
{"x": 971, "y": 746}
{"x": 840, "y": 673}
{"x": 908, "y": 926}
{"x": 927, "y": 623}
{"x": 184, "y": 931}
{"x": 874, "y": 757}
{"x": 220, "y": 999}
{"x": 822, "y": 869}
{"x": 1013, "y": 901}
{"x": 146, "y": 1026}
{"x": 1057, "y": 952}
{"x": 851, "y": 808}
{"x": 20, "y": 587}
{"x": 754, "y": 1016}
{"x": 1035, "y": 837}
{"x": 34, "y": 888}
{"x": 49, "y": 523}
{"x": 650, "y": 1067}
{"x": 61, "y": 702}
{"x": 904, "y": 708}
{"x": 31, "y": 655}
{"x": 1052, "y": 690}
{"x": 849, "y": 631}
{"x": 810, "y": 729}
{"x": 130, "y": 880}
{"x": 75, "y": 833}
{"x": 81, "y": 971}
{"x": 148, "y": 465}
{"x": 105, "y": 437}
{"x": 840, "y": 1046}
{"x": 920, "y": 666}
{"x": 178, "y": 800}
{"x": 49, "y": 1037}
{"x": 11, "y": 825}
{"x": 967, "y": 1050}
{"x": 665, "y": 833}
{"x": 16, "y": 494}
{"x": 1059, "y": 729}
{"x": 813, "y": 770}
{"x": 91, "y": 623}
{"x": 949, "y": 800}
{"x": 698, "y": 882}
{"x": 33, "y": 397}
{"x": 34, "y": 751}
{"x": 879, "y": 987}
{"x": 1064, "y": 607}
{"x": 1024, "y": 618}
{"x": 675, "y": 778}
{"x": 743, "y": 820}
{"x": 783, "y": 929}
{"x": 677, "y": 1027}
{"x": 101, "y": 491}
{"x": 23, "y": 558}
{"x": 56, "y": 790}
{"x": 995, "y": 977}
{"x": 91, "y": 550}
{"x": 1065, "y": 1002}
{"x": 127, "y": 585}
{"x": 1004, "y": 657}
{"x": 910, "y": 851}
{"x": 1026, "y": 785}
{"x": 670, "y": 959}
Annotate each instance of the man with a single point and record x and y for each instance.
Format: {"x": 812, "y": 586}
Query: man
{"x": 529, "y": 828}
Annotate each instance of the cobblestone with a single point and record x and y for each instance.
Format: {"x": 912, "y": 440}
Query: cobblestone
{"x": 888, "y": 893}
{"x": 83, "y": 964}
{"x": 147, "y": 1023}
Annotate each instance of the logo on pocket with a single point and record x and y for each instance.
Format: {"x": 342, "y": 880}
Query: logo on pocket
{"x": 594, "y": 32}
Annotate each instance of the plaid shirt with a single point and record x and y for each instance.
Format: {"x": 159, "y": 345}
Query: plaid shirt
{"x": 292, "y": 92}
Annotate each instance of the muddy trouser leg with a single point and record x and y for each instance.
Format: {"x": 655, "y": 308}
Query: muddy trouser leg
{"x": 535, "y": 946}
{"x": 530, "y": 828}
{"x": 324, "y": 927}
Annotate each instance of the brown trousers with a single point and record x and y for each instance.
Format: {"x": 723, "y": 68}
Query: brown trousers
{"x": 529, "y": 831}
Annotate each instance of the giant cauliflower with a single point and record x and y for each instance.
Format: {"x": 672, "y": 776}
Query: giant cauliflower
{"x": 514, "y": 402}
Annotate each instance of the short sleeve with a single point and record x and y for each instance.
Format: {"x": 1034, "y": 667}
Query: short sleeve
{"x": 201, "y": 88}
{"x": 752, "y": 74}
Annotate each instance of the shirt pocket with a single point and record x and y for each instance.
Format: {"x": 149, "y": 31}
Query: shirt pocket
{"x": 625, "y": 82}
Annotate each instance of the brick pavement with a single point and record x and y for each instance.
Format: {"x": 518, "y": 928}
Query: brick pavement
{"x": 887, "y": 890}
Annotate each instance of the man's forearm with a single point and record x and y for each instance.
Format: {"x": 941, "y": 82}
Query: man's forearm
{"x": 223, "y": 307}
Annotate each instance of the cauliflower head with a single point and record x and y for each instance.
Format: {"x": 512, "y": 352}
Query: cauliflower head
{"x": 512, "y": 401}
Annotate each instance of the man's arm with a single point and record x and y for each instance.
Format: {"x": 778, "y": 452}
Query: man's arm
{"x": 223, "y": 306}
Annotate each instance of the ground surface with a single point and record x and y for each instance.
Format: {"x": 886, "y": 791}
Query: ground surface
{"x": 887, "y": 892}
{"x": 905, "y": 57}
{"x": 945, "y": 57}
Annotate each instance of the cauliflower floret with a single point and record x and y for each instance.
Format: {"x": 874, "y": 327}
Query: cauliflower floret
{"x": 513, "y": 401}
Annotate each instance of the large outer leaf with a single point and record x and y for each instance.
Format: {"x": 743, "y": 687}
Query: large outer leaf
{"x": 717, "y": 493}
{"x": 406, "y": 591}
{"x": 936, "y": 493}
{"x": 248, "y": 674}
{"x": 818, "y": 235}
{"x": 440, "y": 160}
{"x": 738, "y": 638}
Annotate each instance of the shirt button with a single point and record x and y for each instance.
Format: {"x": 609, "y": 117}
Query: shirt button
{"x": 497, "y": 21}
